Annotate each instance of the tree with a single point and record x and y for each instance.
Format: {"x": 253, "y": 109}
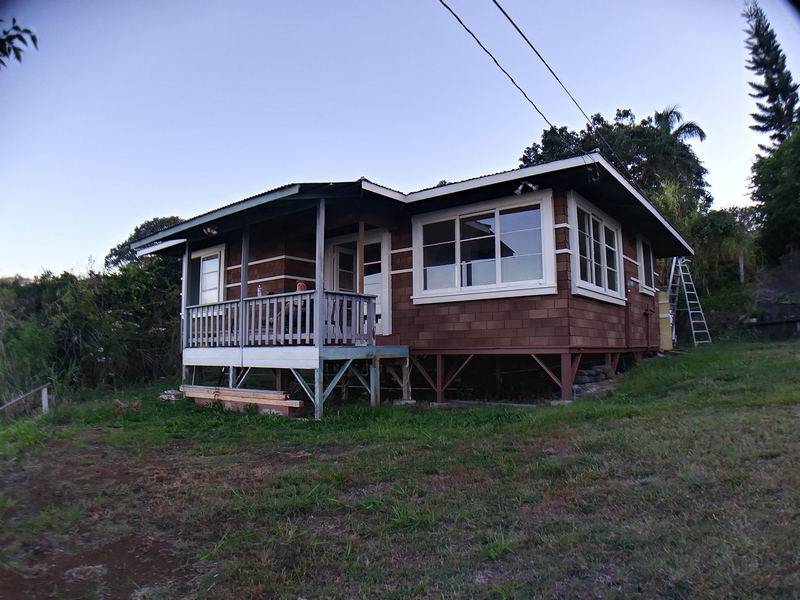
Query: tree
{"x": 654, "y": 153}
{"x": 12, "y": 41}
{"x": 776, "y": 93}
{"x": 122, "y": 254}
{"x": 670, "y": 117}
{"x": 776, "y": 187}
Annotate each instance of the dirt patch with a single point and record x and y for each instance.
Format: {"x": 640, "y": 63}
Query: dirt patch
{"x": 115, "y": 570}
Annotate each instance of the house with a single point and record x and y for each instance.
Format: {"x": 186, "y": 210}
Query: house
{"x": 551, "y": 264}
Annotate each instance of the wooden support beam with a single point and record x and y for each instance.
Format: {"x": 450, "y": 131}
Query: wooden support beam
{"x": 439, "y": 378}
{"x": 547, "y": 370}
{"x": 612, "y": 358}
{"x": 569, "y": 366}
{"x": 455, "y": 371}
{"x": 423, "y": 372}
{"x": 309, "y": 392}
{"x": 360, "y": 377}
{"x": 375, "y": 382}
{"x": 336, "y": 378}
{"x": 319, "y": 400}
{"x": 406, "y": 380}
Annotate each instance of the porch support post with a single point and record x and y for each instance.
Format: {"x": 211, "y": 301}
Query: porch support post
{"x": 360, "y": 258}
{"x": 184, "y": 300}
{"x": 318, "y": 391}
{"x": 319, "y": 266}
{"x": 439, "y": 378}
{"x": 375, "y": 382}
{"x": 231, "y": 376}
{"x": 568, "y": 369}
{"x": 407, "y": 380}
{"x": 244, "y": 325}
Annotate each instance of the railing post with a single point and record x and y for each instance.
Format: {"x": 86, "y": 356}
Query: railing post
{"x": 45, "y": 400}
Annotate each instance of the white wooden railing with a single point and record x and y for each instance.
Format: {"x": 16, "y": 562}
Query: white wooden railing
{"x": 282, "y": 319}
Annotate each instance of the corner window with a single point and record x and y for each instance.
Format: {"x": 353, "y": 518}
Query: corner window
{"x": 502, "y": 249}
{"x": 597, "y": 264}
{"x": 647, "y": 283}
{"x": 207, "y": 269}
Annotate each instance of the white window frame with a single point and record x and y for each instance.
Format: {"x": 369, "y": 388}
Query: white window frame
{"x": 650, "y": 290}
{"x": 205, "y": 253}
{"x": 585, "y": 288}
{"x": 545, "y": 285}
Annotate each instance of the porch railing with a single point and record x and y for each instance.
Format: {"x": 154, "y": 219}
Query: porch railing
{"x": 282, "y": 320}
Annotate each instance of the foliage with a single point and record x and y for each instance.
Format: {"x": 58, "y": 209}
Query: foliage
{"x": 101, "y": 329}
{"x": 123, "y": 254}
{"x": 12, "y": 40}
{"x": 776, "y": 92}
{"x": 718, "y": 237}
{"x": 654, "y": 153}
{"x": 776, "y": 186}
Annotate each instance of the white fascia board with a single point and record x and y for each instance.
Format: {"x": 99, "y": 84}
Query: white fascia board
{"x": 155, "y": 248}
{"x": 470, "y": 184}
{"x": 645, "y": 202}
{"x": 383, "y": 191}
{"x": 225, "y": 211}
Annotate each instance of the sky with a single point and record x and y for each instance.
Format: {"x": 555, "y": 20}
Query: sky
{"x": 135, "y": 109}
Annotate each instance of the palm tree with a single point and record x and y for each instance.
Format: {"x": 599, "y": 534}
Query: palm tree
{"x": 670, "y": 117}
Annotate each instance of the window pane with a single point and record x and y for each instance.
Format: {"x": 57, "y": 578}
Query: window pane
{"x": 372, "y": 269}
{"x": 477, "y": 262}
{"x": 612, "y": 280}
{"x": 209, "y": 279}
{"x": 438, "y": 278}
{"x": 478, "y": 273}
{"x": 647, "y": 264}
{"x": 479, "y": 226}
{"x": 522, "y": 268}
{"x": 520, "y": 219}
{"x": 443, "y": 254}
{"x": 436, "y": 233}
{"x": 522, "y": 242}
{"x": 372, "y": 253}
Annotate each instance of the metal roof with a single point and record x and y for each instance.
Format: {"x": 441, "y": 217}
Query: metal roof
{"x": 604, "y": 186}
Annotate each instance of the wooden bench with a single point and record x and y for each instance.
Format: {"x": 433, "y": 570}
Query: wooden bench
{"x": 273, "y": 401}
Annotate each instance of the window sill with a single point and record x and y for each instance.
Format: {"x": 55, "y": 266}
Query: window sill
{"x": 482, "y": 294}
{"x": 598, "y": 295}
{"x": 643, "y": 289}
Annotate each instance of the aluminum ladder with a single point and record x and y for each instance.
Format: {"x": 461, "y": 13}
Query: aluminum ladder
{"x": 681, "y": 277}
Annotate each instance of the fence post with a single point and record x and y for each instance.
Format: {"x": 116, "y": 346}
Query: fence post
{"x": 45, "y": 400}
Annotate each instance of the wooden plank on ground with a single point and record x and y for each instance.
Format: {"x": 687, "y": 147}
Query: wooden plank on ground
{"x": 266, "y": 397}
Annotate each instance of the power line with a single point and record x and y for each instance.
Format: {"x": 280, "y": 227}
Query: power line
{"x": 499, "y": 66}
{"x": 567, "y": 144}
{"x": 553, "y": 73}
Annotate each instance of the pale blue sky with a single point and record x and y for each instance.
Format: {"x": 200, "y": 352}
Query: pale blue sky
{"x": 134, "y": 109}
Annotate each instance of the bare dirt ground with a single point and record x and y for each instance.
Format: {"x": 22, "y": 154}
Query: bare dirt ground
{"x": 106, "y": 554}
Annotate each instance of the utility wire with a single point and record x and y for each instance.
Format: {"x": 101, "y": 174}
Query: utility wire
{"x": 553, "y": 73}
{"x": 499, "y": 66}
{"x": 507, "y": 74}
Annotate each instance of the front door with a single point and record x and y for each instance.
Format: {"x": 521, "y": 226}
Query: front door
{"x": 343, "y": 270}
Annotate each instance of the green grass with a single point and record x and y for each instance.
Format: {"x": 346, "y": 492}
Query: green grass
{"x": 683, "y": 483}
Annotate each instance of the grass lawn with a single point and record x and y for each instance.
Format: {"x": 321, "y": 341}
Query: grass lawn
{"x": 685, "y": 483}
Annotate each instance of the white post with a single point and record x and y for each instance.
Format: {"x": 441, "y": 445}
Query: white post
{"x": 45, "y": 400}
{"x": 319, "y": 296}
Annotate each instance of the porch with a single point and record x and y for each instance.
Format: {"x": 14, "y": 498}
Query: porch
{"x": 290, "y": 319}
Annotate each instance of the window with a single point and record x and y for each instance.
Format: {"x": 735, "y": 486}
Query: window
{"x": 597, "y": 262}
{"x": 207, "y": 269}
{"x": 486, "y": 250}
{"x": 646, "y": 279}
